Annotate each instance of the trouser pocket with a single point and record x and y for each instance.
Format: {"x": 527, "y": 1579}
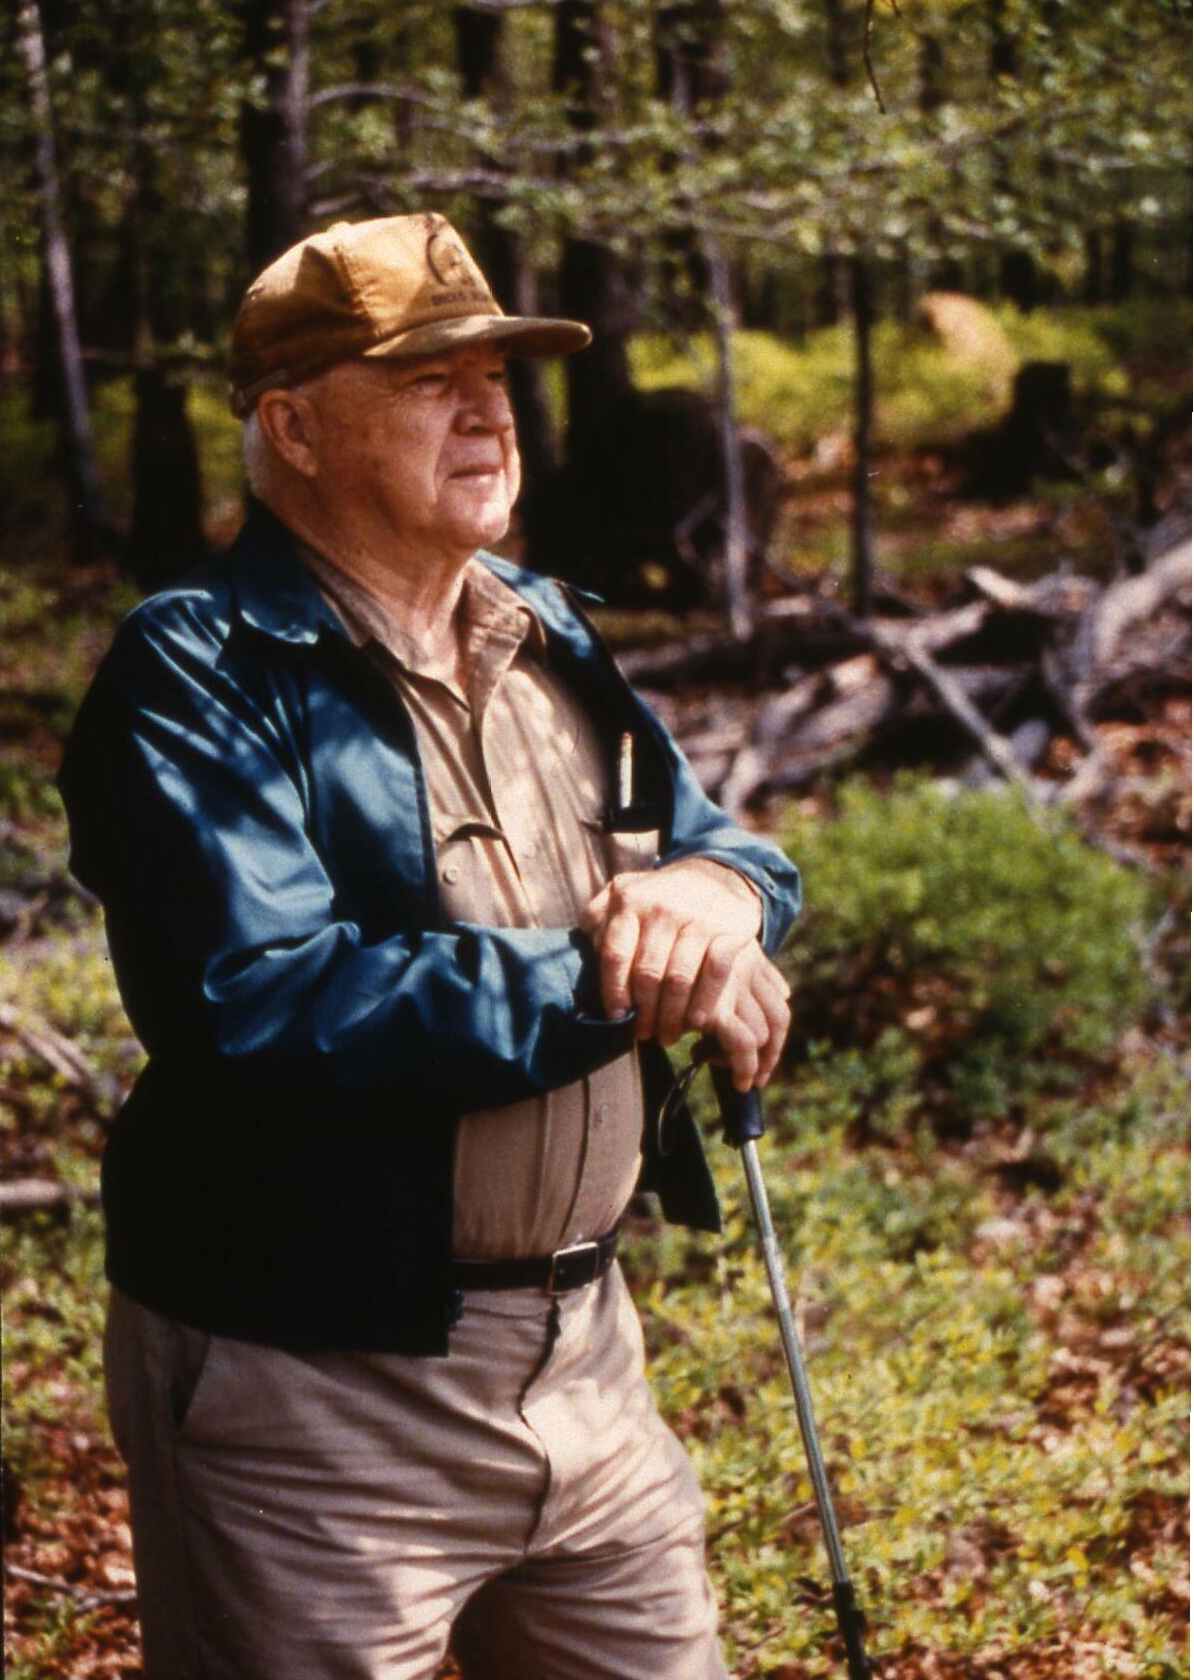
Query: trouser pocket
{"x": 153, "y": 1367}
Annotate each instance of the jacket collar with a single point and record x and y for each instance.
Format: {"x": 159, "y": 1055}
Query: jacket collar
{"x": 274, "y": 591}
{"x": 277, "y": 595}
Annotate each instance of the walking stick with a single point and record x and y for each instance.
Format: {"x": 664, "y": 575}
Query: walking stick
{"x": 742, "y": 1126}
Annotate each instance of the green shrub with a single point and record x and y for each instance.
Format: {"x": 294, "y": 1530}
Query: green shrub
{"x": 958, "y": 948}
{"x": 926, "y": 393}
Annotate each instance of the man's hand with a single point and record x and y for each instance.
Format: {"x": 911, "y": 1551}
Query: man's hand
{"x": 679, "y": 945}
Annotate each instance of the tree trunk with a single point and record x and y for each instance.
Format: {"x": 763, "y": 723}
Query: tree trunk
{"x": 1092, "y": 288}
{"x": 853, "y": 276}
{"x": 835, "y": 43}
{"x": 82, "y": 473}
{"x": 862, "y": 563}
{"x": 166, "y": 538}
{"x": 737, "y": 542}
{"x": 1123, "y": 250}
{"x": 501, "y": 251}
{"x": 140, "y": 291}
{"x": 1018, "y": 279}
{"x": 1003, "y": 59}
{"x": 593, "y": 283}
{"x": 930, "y": 74}
{"x": 274, "y": 137}
{"x": 503, "y": 258}
{"x": 833, "y": 277}
{"x": 692, "y": 78}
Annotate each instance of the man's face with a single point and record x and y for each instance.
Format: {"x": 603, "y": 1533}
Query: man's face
{"x": 425, "y": 447}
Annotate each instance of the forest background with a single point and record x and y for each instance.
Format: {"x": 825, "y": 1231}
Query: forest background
{"x": 887, "y": 417}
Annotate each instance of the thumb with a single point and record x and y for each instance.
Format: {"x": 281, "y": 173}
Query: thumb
{"x": 593, "y": 916}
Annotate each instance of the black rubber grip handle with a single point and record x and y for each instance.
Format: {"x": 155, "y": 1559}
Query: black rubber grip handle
{"x": 741, "y": 1111}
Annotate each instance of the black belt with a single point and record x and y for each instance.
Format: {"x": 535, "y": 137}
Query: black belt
{"x": 567, "y": 1268}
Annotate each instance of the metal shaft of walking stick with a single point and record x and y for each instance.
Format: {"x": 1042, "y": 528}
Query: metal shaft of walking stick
{"x": 742, "y": 1122}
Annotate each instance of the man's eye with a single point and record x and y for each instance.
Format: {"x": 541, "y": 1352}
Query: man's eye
{"x": 499, "y": 376}
{"x": 430, "y": 381}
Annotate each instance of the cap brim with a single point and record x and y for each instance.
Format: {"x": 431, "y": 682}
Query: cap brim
{"x": 518, "y": 335}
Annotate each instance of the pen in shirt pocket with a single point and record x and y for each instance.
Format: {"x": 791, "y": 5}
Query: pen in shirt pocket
{"x": 626, "y": 771}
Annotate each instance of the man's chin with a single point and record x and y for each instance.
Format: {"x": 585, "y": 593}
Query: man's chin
{"x": 485, "y": 529}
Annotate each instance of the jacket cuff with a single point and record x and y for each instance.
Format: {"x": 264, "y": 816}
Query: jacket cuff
{"x": 590, "y": 1011}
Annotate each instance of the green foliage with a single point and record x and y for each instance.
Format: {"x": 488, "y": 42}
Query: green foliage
{"x": 988, "y": 1505}
{"x": 1129, "y": 359}
{"x": 68, "y": 981}
{"x": 927, "y": 393}
{"x": 993, "y": 1474}
{"x": 54, "y": 1320}
{"x": 795, "y": 393}
{"x": 27, "y": 483}
{"x": 959, "y": 947}
{"x": 217, "y": 440}
{"x": 55, "y": 1297}
{"x": 27, "y": 795}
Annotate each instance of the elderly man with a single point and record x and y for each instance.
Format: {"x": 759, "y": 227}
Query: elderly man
{"x": 405, "y": 890}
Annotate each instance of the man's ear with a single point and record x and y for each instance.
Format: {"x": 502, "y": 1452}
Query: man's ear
{"x": 289, "y": 421}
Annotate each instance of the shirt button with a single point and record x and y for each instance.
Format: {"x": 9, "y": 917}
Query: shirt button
{"x": 529, "y": 850}
{"x": 603, "y": 1113}
{"x": 452, "y": 874}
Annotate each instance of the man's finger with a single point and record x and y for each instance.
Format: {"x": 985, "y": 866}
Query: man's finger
{"x": 683, "y": 969}
{"x": 656, "y": 940}
{"x": 618, "y": 944}
{"x": 595, "y": 915}
{"x": 738, "y": 1044}
{"x": 779, "y": 1018}
{"x": 717, "y": 971}
{"x": 773, "y": 978}
{"x": 752, "y": 1015}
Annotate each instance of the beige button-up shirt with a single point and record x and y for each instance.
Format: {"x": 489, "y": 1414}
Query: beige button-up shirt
{"x": 516, "y": 783}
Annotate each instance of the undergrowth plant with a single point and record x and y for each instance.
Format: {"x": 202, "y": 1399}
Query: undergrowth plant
{"x": 959, "y": 954}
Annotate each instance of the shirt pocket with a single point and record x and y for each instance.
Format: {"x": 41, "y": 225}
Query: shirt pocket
{"x": 628, "y": 850}
{"x": 478, "y": 882}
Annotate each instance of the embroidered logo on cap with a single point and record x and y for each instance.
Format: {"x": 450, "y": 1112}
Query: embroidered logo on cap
{"x": 449, "y": 263}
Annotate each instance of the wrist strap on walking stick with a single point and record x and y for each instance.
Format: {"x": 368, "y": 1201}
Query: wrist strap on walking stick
{"x": 741, "y": 1111}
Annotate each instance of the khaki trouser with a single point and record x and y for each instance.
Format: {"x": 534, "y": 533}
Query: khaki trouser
{"x": 331, "y": 1516}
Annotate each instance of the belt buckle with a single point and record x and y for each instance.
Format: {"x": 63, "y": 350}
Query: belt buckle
{"x": 572, "y": 1267}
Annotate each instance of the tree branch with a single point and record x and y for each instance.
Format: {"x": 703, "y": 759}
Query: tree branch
{"x": 52, "y": 1583}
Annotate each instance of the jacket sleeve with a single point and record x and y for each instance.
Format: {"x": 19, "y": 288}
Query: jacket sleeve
{"x": 701, "y": 829}
{"x": 188, "y": 823}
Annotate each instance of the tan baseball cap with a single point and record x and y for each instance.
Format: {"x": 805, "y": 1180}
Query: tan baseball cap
{"x": 401, "y": 286}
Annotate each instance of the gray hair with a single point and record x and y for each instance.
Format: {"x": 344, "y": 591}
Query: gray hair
{"x": 254, "y": 453}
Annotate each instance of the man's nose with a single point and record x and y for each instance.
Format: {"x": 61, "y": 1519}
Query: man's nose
{"x": 486, "y": 403}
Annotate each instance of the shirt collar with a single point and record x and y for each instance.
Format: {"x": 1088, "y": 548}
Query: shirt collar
{"x": 490, "y": 609}
{"x": 276, "y": 594}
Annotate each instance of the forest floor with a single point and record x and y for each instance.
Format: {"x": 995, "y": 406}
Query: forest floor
{"x": 995, "y": 1310}
{"x": 996, "y": 1330}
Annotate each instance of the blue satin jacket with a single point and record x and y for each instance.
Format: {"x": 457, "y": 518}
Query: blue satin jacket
{"x": 246, "y": 799}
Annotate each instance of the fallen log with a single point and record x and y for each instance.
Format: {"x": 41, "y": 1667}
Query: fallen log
{"x": 957, "y": 703}
{"x": 1087, "y": 659}
{"x": 43, "y": 1195}
{"x": 85, "y": 1598}
{"x": 62, "y": 1057}
{"x": 1028, "y": 742}
{"x": 772, "y": 757}
{"x": 1005, "y": 672}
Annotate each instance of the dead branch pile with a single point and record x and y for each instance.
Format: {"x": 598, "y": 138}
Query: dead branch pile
{"x": 981, "y": 689}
